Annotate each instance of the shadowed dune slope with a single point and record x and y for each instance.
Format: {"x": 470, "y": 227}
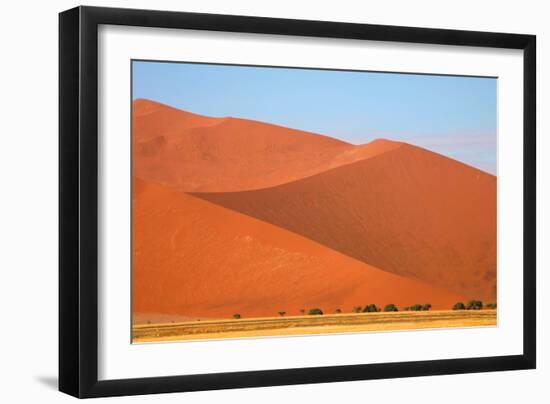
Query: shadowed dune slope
{"x": 190, "y": 152}
{"x": 408, "y": 211}
{"x": 195, "y": 258}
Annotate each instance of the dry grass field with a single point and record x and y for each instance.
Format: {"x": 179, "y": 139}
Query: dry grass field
{"x": 303, "y": 325}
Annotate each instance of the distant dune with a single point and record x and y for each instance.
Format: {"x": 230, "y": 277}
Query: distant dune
{"x": 409, "y": 211}
{"x": 239, "y": 216}
{"x": 194, "y": 258}
{"x": 191, "y": 152}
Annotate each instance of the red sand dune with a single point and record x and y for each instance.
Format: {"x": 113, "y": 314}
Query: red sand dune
{"x": 190, "y": 152}
{"x": 408, "y": 211}
{"x": 281, "y": 219}
{"x": 194, "y": 258}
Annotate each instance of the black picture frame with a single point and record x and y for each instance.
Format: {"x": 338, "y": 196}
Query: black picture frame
{"x": 78, "y": 201}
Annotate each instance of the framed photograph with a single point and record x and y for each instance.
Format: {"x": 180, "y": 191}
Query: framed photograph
{"x": 251, "y": 201}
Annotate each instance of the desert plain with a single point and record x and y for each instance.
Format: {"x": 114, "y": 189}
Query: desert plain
{"x": 316, "y": 325}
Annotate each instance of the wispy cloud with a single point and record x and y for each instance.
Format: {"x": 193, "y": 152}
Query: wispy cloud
{"x": 479, "y": 140}
{"x": 478, "y": 149}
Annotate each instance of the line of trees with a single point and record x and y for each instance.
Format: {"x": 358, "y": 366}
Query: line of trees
{"x": 473, "y": 305}
{"x": 372, "y": 308}
{"x": 418, "y": 307}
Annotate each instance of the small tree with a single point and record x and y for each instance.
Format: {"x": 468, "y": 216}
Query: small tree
{"x": 315, "y": 312}
{"x": 236, "y": 316}
{"x": 390, "y": 307}
{"x": 356, "y": 309}
{"x": 337, "y": 311}
{"x": 459, "y": 306}
{"x": 426, "y": 306}
{"x": 491, "y": 305}
{"x": 415, "y": 307}
{"x": 370, "y": 308}
{"x": 282, "y": 313}
{"x": 474, "y": 305}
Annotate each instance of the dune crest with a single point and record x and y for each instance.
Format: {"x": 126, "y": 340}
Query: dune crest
{"x": 408, "y": 211}
{"x": 194, "y": 153}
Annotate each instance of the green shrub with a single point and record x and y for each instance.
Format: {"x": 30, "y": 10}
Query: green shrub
{"x": 315, "y": 312}
{"x": 406, "y": 308}
{"x": 491, "y": 305}
{"x": 356, "y": 309}
{"x": 459, "y": 306}
{"x": 426, "y": 306}
{"x": 370, "y": 308}
{"x": 474, "y": 305}
{"x": 390, "y": 307}
{"x": 337, "y": 311}
{"x": 236, "y": 315}
{"x": 415, "y": 307}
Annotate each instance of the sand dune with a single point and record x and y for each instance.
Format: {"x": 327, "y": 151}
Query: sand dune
{"x": 195, "y": 258}
{"x": 238, "y": 216}
{"x": 190, "y": 152}
{"x": 408, "y": 211}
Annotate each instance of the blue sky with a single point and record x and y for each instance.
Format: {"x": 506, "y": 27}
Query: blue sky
{"x": 454, "y": 116}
